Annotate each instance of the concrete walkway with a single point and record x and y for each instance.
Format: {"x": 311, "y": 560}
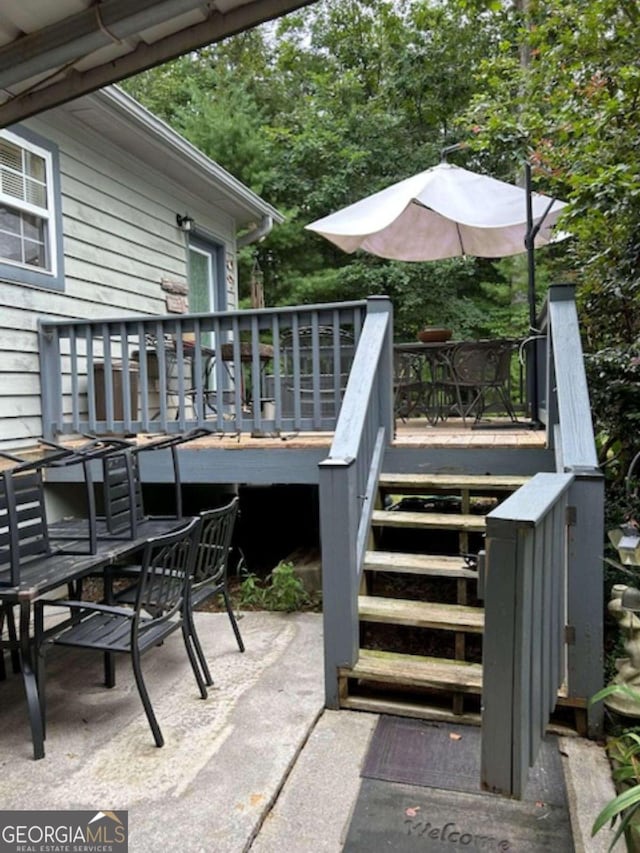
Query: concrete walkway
{"x": 257, "y": 766}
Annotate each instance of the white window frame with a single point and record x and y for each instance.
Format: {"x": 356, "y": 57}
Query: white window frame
{"x": 51, "y": 275}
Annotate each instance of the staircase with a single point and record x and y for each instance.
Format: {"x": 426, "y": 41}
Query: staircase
{"x": 421, "y": 621}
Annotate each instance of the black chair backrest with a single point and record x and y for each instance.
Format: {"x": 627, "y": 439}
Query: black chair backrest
{"x": 482, "y": 363}
{"x": 123, "y": 506}
{"x": 167, "y": 566}
{"x": 212, "y": 554}
{"x": 334, "y": 349}
{"x": 23, "y": 522}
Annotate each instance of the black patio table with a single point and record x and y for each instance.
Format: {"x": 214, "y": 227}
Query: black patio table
{"x": 36, "y": 558}
{"x": 453, "y": 378}
{"x": 42, "y": 575}
{"x": 421, "y": 370}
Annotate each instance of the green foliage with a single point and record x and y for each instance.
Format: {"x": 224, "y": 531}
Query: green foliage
{"x": 328, "y": 105}
{"x": 251, "y": 591}
{"x": 282, "y": 590}
{"x": 625, "y": 754}
{"x": 614, "y": 382}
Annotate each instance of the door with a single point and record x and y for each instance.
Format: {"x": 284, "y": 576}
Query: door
{"x": 206, "y": 291}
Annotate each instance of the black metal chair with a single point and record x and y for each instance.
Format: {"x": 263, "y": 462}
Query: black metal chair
{"x": 316, "y": 362}
{"x": 479, "y": 377}
{"x": 210, "y": 571}
{"x": 209, "y": 575}
{"x": 166, "y": 569}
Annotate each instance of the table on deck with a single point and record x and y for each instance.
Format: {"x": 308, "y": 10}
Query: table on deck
{"x": 204, "y": 381}
{"x": 42, "y": 575}
{"x": 420, "y": 373}
{"x": 461, "y": 378}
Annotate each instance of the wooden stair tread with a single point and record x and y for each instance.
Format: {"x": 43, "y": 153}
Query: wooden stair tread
{"x": 420, "y": 711}
{"x": 418, "y": 564}
{"x": 417, "y": 671}
{"x": 421, "y": 614}
{"x": 429, "y": 520}
{"x": 415, "y": 710}
{"x": 471, "y": 482}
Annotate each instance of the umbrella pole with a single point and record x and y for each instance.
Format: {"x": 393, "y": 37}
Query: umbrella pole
{"x": 529, "y": 241}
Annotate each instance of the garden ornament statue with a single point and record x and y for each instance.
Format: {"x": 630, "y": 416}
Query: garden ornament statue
{"x": 625, "y": 603}
{"x": 624, "y": 607}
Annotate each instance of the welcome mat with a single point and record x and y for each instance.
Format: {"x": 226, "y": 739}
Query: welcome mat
{"x": 407, "y": 819}
{"x": 445, "y": 756}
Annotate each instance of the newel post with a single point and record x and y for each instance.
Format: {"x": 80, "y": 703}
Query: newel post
{"x": 340, "y": 581}
{"x": 383, "y": 305}
{"x": 50, "y": 380}
{"x": 585, "y": 595}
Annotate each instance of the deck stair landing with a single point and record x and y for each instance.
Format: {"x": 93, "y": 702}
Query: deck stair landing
{"x": 421, "y": 623}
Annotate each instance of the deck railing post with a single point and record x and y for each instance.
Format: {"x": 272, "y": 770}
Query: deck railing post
{"x": 498, "y": 655}
{"x": 50, "y": 380}
{"x": 338, "y": 535}
{"x": 585, "y": 594}
{"x": 383, "y": 305}
{"x": 524, "y": 651}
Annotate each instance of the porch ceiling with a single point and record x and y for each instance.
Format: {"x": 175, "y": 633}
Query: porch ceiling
{"x": 51, "y": 53}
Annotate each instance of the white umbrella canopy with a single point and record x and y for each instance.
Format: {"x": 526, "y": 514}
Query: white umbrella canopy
{"x": 443, "y": 212}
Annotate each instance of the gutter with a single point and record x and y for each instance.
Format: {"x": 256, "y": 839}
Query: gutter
{"x": 256, "y": 234}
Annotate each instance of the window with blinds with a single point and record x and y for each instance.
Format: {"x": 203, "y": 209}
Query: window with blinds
{"x": 26, "y": 202}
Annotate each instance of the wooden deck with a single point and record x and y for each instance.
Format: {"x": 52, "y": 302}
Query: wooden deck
{"x": 412, "y": 433}
{"x": 294, "y": 457}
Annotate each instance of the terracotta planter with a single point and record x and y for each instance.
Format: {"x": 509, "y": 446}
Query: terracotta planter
{"x": 431, "y": 335}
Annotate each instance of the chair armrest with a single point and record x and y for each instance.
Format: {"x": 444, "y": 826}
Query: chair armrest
{"x": 87, "y": 605}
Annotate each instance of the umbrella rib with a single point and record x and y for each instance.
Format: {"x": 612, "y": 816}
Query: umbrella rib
{"x": 459, "y": 233}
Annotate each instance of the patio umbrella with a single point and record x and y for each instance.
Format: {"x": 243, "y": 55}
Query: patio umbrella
{"x": 447, "y": 212}
{"x": 441, "y": 213}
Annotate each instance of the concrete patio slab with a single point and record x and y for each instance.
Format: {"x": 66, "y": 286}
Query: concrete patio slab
{"x": 257, "y": 766}
{"x": 224, "y": 760}
{"x": 313, "y": 812}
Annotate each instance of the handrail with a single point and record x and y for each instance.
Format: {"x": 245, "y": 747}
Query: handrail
{"x": 570, "y": 414}
{"x": 179, "y": 372}
{"x": 523, "y": 651}
{"x": 347, "y": 481}
{"x": 543, "y": 543}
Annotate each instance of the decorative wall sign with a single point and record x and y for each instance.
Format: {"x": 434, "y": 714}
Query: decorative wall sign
{"x": 180, "y": 288}
{"x": 176, "y": 304}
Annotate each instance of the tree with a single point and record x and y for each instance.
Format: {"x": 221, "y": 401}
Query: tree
{"x": 574, "y": 112}
{"x": 328, "y": 105}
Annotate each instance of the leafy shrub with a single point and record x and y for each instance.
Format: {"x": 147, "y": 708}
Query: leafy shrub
{"x": 624, "y": 751}
{"x": 282, "y": 590}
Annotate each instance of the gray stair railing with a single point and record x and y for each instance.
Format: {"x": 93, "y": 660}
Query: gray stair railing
{"x": 517, "y": 564}
{"x": 347, "y": 485}
{"x": 524, "y": 657}
{"x": 173, "y": 373}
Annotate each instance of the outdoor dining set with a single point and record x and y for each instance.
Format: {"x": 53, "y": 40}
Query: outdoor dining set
{"x": 463, "y": 379}
{"x": 154, "y": 569}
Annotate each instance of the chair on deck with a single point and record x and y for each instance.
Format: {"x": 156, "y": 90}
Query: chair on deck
{"x": 323, "y": 354}
{"x": 167, "y": 566}
{"x": 479, "y": 378}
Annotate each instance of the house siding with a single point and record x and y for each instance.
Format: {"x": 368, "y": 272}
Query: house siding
{"x": 120, "y": 241}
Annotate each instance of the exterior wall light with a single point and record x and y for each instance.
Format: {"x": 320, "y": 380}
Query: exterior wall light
{"x": 626, "y": 540}
{"x": 185, "y": 222}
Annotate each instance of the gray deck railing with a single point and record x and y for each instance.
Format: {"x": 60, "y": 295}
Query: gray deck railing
{"x": 240, "y": 371}
{"x": 348, "y": 481}
{"x": 525, "y": 617}
{"x": 547, "y": 538}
